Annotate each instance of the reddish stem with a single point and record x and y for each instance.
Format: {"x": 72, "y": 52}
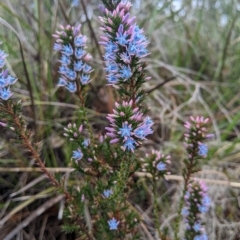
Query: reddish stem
{"x": 29, "y": 146}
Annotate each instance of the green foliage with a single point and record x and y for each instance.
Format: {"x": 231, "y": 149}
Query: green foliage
{"x": 70, "y": 228}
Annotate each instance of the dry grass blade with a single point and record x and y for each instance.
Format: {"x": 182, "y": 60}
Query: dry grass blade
{"x": 29, "y": 169}
{"x": 29, "y": 185}
{"x": 146, "y": 231}
{"x": 21, "y": 37}
{"x": 180, "y": 178}
{"x": 23, "y": 205}
{"x": 34, "y": 215}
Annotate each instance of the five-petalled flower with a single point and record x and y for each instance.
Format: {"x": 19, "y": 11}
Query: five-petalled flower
{"x": 77, "y": 155}
{"x": 113, "y": 224}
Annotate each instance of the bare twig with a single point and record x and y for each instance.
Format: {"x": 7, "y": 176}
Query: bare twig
{"x": 160, "y": 84}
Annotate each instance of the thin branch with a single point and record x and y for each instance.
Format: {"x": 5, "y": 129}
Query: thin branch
{"x": 160, "y": 84}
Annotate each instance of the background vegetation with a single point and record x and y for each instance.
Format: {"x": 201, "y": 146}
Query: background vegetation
{"x": 194, "y": 64}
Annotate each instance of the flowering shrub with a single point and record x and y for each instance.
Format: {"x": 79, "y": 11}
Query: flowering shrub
{"x": 197, "y": 203}
{"x": 157, "y": 164}
{"x": 128, "y": 126}
{"x": 99, "y": 205}
{"x": 74, "y": 70}
{"x": 194, "y": 144}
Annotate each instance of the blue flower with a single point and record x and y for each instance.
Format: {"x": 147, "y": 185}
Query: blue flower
{"x": 111, "y": 67}
{"x": 136, "y": 29}
{"x": 138, "y": 37}
{"x": 125, "y": 72}
{"x": 202, "y": 150}
{"x": 204, "y": 237}
{"x": 11, "y": 80}
{"x": 201, "y": 237}
{"x": 122, "y": 39}
{"x": 77, "y": 154}
{"x": 203, "y": 208}
{"x": 3, "y": 55}
{"x": 62, "y": 82}
{"x": 185, "y": 212}
{"x": 85, "y": 79}
{"x": 129, "y": 144}
{"x": 197, "y": 227}
{"x": 5, "y": 93}
{"x": 65, "y": 60}
{"x": 86, "y": 142}
{"x": 4, "y": 81}
{"x": 161, "y": 166}
{"x": 206, "y": 201}
{"x": 111, "y": 47}
{"x": 75, "y": 3}
{"x": 87, "y": 68}
{"x": 2, "y": 59}
{"x": 67, "y": 50}
{"x": 71, "y": 87}
{"x": 139, "y": 132}
{"x": 198, "y": 237}
{"x": 132, "y": 49}
{"x": 71, "y": 74}
{"x": 78, "y": 66}
{"x": 2, "y": 63}
{"x": 141, "y": 51}
{"x": 63, "y": 69}
{"x": 112, "y": 79}
{"x": 125, "y": 131}
{"x": 79, "y": 41}
{"x": 125, "y": 57}
{"x": 57, "y": 47}
{"x": 108, "y": 57}
{"x": 187, "y": 194}
{"x": 143, "y": 131}
{"x": 113, "y": 224}
{"x": 79, "y": 53}
{"x": 107, "y": 193}
{"x": 148, "y": 121}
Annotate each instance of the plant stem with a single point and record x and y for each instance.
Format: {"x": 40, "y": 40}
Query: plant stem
{"x": 122, "y": 177}
{"x": 28, "y": 144}
{"x": 155, "y": 207}
{"x": 190, "y": 170}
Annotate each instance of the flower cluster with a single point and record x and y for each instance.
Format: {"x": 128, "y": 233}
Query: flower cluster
{"x": 194, "y": 137}
{"x": 128, "y": 126}
{"x": 6, "y": 80}
{"x": 157, "y": 164}
{"x": 124, "y": 45}
{"x": 74, "y": 69}
{"x": 75, "y": 134}
{"x": 197, "y": 202}
{"x": 196, "y": 134}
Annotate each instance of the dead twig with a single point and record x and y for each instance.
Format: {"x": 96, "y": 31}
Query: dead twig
{"x": 160, "y": 84}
